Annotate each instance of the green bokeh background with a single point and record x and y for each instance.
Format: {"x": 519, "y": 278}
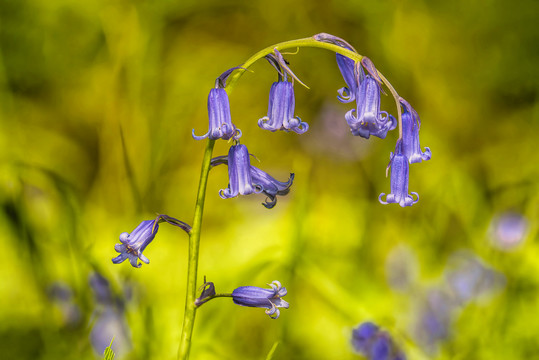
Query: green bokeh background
{"x": 97, "y": 103}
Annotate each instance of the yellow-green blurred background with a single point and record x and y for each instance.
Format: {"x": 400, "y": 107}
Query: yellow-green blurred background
{"x": 97, "y": 103}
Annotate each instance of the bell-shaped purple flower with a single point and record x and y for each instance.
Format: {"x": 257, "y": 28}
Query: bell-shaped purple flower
{"x": 221, "y": 126}
{"x": 132, "y": 245}
{"x": 410, "y": 135}
{"x": 270, "y": 299}
{"x": 245, "y": 179}
{"x": 270, "y": 187}
{"x": 281, "y": 110}
{"x": 353, "y": 75}
{"x": 367, "y": 119}
{"x": 240, "y": 181}
{"x": 399, "y": 181}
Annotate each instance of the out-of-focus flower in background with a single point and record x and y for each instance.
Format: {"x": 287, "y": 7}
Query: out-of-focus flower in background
{"x": 434, "y": 317}
{"x": 108, "y": 319}
{"x": 375, "y": 344}
{"x": 61, "y": 296}
{"x": 470, "y": 279}
{"x": 508, "y": 230}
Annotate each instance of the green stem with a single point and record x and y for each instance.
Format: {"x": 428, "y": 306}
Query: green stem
{"x": 194, "y": 242}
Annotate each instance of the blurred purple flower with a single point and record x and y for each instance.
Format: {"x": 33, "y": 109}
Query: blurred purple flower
{"x": 281, "y": 110}
{"x": 101, "y": 288}
{"x": 110, "y": 323}
{"x": 221, "y": 126}
{"x": 508, "y": 230}
{"x": 470, "y": 279}
{"x": 410, "y": 135}
{"x": 436, "y": 312}
{"x": 245, "y": 179}
{"x": 399, "y": 181}
{"x": 252, "y": 296}
{"x": 363, "y": 336}
{"x": 367, "y": 119}
{"x": 61, "y": 295}
{"x": 375, "y": 344}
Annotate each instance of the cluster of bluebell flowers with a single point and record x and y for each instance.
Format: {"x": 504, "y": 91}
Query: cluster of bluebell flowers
{"x": 375, "y": 344}
{"x": 367, "y": 119}
{"x": 364, "y": 85}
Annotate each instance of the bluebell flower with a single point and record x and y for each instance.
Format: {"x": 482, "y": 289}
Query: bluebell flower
{"x": 245, "y": 179}
{"x": 253, "y": 296}
{"x": 367, "y": 119}
{"x": 132, "y": 245}
{"x": 221, "y": 126}
{"x": 281, "y": 110}
{"x": 353, "y": 76}
{"x": 270, "y": 187}
{"x": 410, "y": 135}
{"x": 369, "y": 340}
{"x": 399, "y": 181}
{"x": 351, "y": 70}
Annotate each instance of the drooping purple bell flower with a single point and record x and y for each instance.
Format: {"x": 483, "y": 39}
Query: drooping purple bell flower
{"x": 245, "y": 179}
{"x": 367, "y": 119}
{"x": 281, "y": 110}
{"x": 353, "y": 76}
{"x": 221, "y": 126}
{"x": 270, "y": 187}
{"x": 410, "y": 135}
{"x": 239, "y": 174}
{"x": 253, "y": 296}
{"x": 399, "y": 181}
{"x": 132, "y": 245}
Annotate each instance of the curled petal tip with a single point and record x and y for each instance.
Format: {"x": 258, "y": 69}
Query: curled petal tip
{"x": 199, "y": 137}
